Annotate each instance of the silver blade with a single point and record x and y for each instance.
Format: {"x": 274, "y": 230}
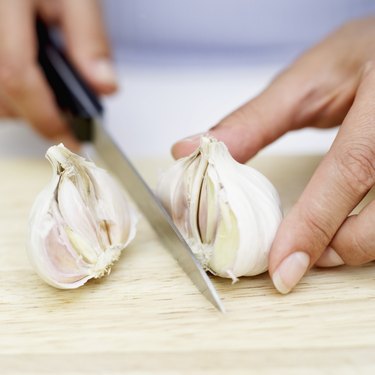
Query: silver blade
{"x": 154, "y": 212}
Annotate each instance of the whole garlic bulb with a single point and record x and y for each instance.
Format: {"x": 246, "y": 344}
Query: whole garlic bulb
{"x": 227, "y": 212}
{"x": 79, "y": 223}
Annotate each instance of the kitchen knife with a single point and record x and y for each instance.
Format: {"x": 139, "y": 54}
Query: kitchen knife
{"x": 84, "y": 113}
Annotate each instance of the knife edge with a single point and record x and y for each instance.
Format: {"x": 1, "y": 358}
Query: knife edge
{"x": 160, "y": 220}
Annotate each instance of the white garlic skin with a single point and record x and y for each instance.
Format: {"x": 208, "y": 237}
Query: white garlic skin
{"x": 228, "y": 212}
{"x": 79, "y": 223}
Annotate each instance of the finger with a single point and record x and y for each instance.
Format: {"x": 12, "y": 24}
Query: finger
{"x": 339, "y": 183}
{"x": 354, "y": 242}
{"x": 253, "y": 125}
{"x": 6, "y": 113}
{"x": 68, "y": 140}
{"x": 87, "y": 43}
{"x": 308, "y": 93}
{"x": 21, "y": 81}
{"x": 329, "y": 258}
{"x": 49, "y": 10}
{"x": 6, "y": 109}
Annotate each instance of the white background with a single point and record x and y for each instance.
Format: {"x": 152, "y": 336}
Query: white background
{"x": 183, "y": 65}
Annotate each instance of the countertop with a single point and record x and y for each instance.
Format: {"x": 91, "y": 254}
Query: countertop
{"x": 146, "y": 317}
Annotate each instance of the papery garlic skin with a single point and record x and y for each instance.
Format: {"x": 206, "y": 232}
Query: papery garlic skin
{"x": 79, "y": 223}
{"x": 228, "y": 212}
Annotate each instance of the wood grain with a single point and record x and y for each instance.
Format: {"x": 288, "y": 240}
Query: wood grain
{"x": 147, "y": 317}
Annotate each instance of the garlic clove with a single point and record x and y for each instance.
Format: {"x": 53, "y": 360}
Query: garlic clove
{"x": 79, "y": 223}
{"x": 228, "y": 212}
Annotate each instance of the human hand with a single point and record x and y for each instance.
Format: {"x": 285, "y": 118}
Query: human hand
{"x": 332, "y": 83}
{"x": 24, "y": 91}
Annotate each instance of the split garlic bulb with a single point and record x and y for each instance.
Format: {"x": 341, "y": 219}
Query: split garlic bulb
{"x": 227, "y": 212}
{"x": 79, "y": 223}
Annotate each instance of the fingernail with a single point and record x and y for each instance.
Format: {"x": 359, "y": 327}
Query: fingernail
{"x": 104, "y": 72}
{"x": 290, "y": 271}
{"x": 330, "y": 258}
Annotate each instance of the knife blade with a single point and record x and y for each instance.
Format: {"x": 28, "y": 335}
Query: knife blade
{"x": 84, "y": 113}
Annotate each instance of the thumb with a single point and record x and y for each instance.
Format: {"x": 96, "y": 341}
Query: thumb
{"x": 87, "y": 43}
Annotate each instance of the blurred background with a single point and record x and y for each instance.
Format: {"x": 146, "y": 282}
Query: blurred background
{"x": 183, "y": 65}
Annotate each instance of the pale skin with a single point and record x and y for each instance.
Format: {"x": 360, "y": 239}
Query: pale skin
{"x": 23, "y": 89}
{"x": 332, "y": 83}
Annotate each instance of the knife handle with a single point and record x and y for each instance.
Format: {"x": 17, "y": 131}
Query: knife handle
{"x": 77, "y": 101}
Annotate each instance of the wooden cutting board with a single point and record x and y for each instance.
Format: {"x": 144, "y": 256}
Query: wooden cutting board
{"x": 147, "y": 317}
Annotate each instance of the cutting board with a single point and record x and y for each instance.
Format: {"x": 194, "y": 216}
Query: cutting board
{"x": 146, "y": 317}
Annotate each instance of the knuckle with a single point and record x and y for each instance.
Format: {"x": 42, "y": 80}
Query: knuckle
{"x": 319, "y": 226}
{"x": 356, "y": 164}
{"x": 361, "y": 253}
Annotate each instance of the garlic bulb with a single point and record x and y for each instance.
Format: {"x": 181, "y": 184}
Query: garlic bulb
{"x": 227, "y": 212}
{"x": 79, "y": 223}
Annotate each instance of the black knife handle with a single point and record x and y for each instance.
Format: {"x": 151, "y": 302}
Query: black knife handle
{"x": 77, "y": 101}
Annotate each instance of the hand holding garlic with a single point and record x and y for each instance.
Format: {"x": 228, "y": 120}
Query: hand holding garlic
{"x": 79, "y": 223}
{"x": 228, "y": 212}
{"x": 324, "y": 87}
